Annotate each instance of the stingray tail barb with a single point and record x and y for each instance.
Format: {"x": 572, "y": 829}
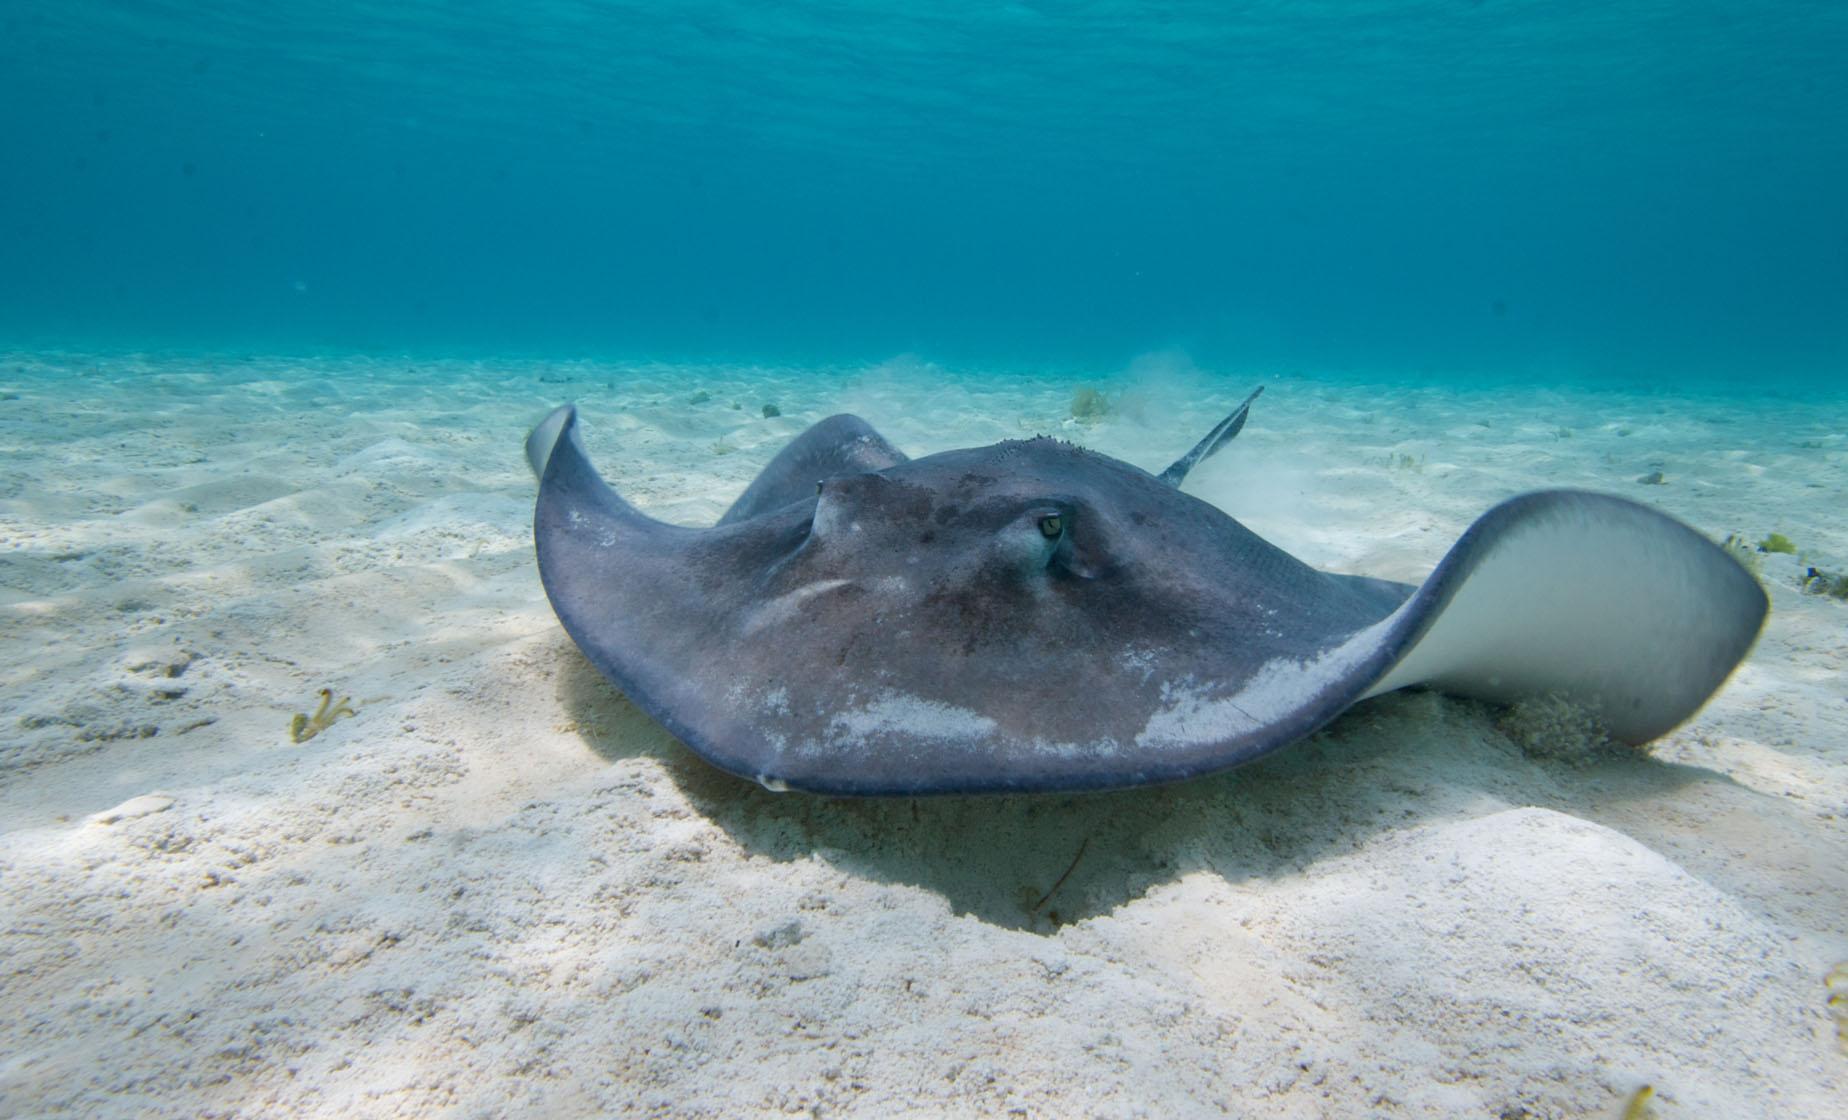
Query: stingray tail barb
{"x": 1221, "y": 435}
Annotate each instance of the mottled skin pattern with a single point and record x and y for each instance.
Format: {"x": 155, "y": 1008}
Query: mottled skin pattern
{"x": 1023, "y": 616}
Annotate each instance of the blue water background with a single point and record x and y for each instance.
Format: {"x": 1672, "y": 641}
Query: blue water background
{"x": 1651, "y": 191}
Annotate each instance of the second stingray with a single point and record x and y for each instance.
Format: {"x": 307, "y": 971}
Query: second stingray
{"x": 1034, "y": 616}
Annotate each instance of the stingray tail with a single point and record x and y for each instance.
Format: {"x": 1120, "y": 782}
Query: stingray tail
{"x": 1221, "y": 435}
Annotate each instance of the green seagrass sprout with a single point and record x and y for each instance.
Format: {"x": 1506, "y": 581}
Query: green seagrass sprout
{"x": 1777, "y": 542}
{"x": 303, "y": 728}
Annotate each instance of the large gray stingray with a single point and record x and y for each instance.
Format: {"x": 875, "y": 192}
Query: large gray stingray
{"x": 1035, "y": 616}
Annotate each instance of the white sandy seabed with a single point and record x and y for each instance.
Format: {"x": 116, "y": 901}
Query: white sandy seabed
{"x": 499, "y": 889}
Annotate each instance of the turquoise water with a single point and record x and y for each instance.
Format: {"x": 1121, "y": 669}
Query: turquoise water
{"x": 283, "y": 286}
{"x": 1649, "y": 191}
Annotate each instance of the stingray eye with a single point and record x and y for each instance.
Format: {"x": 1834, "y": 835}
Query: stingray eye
{"x": 1051, "y": 525}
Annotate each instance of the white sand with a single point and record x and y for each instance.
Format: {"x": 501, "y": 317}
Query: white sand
{"x": 499, "y": 889}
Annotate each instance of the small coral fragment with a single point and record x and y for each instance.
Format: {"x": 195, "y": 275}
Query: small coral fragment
{"x": 303, "y": 728}
{"x": 145, "y": 805}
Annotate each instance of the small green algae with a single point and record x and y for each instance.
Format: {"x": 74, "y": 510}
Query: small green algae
{"x": 1088, "y": 404}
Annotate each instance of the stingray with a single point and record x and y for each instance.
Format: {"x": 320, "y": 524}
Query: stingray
{"x": 1033, "y": 616}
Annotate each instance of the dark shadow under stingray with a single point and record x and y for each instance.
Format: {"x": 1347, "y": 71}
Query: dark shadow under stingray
{"x": 999, "y": 857}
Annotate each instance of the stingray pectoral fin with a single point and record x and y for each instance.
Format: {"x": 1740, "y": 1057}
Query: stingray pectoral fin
{"x": 652, "y": 605}
{"x": 841, "y": 444}
{"x": 546, "y": 434}
{"x": 1604, "y": 601}
{"x": 617, "y": 578}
